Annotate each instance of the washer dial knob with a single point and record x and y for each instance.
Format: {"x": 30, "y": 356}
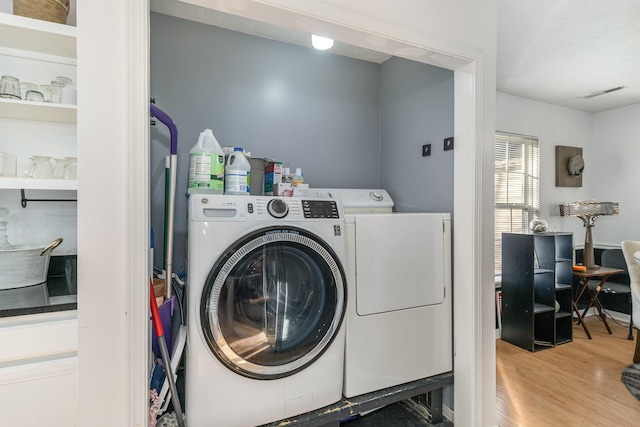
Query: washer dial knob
{"x": 277, "y": 208}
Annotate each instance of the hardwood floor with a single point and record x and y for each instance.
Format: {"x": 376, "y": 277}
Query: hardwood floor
{"x": 574, "y": 384}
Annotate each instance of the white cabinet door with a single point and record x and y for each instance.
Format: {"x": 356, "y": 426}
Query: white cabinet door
{"x": 40, "y": 393}
{"x": 38, "y": 370}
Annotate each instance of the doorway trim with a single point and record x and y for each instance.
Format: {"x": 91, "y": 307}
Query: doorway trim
{"x": 120, "y": 30}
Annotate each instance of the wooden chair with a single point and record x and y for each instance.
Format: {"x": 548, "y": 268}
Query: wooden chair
{"x": 631, "y": 251}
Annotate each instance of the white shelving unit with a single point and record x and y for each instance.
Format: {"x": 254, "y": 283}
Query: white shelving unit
{"x": 39, "y": 111}
{"x": 42, "y": 357}
{"x": 38, "y": 184}
{"x": 34, "y": 35}
{"x": 40, "y": 51}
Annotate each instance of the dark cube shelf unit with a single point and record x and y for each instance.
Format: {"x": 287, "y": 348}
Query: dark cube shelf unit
{"x": 537, "y": 273}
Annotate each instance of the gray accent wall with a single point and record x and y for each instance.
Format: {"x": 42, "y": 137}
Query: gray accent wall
{"x": 416, "y": 108}
{"x": 347, "y": 123}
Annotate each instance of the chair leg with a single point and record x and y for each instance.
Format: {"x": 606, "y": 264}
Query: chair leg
{"x": 630, "y": 336}
{"x": 636, "y": 355}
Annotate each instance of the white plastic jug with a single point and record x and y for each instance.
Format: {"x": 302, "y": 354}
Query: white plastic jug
{"x": 237, "y": 174}
{"x": 206, "y": 165}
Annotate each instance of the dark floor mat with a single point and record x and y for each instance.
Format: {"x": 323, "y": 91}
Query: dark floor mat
{"x": 399, "y": 414}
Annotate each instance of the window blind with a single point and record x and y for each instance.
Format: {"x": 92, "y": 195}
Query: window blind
{"x": 517, "y": 177}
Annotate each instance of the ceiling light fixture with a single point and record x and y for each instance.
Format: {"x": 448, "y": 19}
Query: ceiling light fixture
{"x": 321, "y": 43}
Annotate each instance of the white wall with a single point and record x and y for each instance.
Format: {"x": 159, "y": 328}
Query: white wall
{"x": 554, "y": 125}
{"x": 616, "y": 160}
{"x": 113, "y": 222}
{"x": 611, "y": 146}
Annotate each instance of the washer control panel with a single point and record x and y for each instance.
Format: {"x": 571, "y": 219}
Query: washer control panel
{"x": 263, "y": 208}
{"x": 297, "y": 208}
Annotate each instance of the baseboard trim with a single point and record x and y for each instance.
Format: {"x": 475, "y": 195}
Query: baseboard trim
{"x": 621, "y": 317}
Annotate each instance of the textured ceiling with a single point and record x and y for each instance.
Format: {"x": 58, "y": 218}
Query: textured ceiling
{"x": 563, "y": 52}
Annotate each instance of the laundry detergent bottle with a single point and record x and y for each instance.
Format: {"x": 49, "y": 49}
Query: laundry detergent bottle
{"x": 206, "y": 165}
{"x": 237, "y": 174}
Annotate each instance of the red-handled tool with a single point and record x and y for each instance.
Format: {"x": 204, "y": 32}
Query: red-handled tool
{"x": 157, "y": 323}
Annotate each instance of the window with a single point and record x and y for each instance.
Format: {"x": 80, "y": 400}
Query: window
{"x": 517, "y": 176}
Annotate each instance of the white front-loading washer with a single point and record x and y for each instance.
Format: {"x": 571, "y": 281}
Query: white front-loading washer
{"x": 266, "y": 300}
{"x": 399, "y": 314}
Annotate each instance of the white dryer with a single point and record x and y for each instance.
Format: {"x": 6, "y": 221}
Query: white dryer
{"x": 266, "y": 300}
{"x": 399, "y": 314}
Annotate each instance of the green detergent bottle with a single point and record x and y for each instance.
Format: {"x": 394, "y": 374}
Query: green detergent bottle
{"x": 206, "y": 165}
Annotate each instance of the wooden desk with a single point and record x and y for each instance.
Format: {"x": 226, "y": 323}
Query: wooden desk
{"x": 584, "y": 276}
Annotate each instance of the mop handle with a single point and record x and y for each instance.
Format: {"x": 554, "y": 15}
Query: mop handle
{"x": 155, "y": 313}
{"x": 157, "y": 322}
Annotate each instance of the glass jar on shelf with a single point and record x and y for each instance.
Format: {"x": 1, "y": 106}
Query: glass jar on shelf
{"x": 71, "y": 168}
{"x": 40, "y": 167}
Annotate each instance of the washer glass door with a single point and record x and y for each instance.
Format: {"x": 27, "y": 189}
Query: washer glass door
{"x": 273, "y": 302}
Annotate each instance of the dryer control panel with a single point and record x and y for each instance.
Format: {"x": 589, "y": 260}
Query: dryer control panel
{"x": 356, "y": 200}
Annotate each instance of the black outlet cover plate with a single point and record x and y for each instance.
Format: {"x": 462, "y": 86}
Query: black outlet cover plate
{"x": 448, "y": 143}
